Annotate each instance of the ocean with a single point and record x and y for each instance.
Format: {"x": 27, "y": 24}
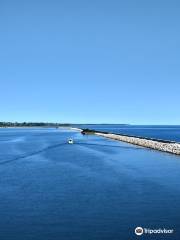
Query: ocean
{"x": 94, "y": 189}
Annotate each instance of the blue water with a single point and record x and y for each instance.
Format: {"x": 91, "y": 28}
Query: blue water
{"x": 165, "y": 132}
{"x": 95, "y": 189}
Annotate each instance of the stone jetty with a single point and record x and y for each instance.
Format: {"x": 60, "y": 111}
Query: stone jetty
{"x": 157, "y": 144}
{"x": 165, "y": 146}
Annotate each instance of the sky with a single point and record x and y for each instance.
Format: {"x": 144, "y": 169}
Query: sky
{"x": 98, "y": 61}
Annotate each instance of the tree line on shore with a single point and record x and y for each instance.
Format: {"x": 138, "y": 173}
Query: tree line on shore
{"x": 33, "y": 124}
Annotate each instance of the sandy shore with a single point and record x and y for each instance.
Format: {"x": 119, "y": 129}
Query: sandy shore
{"x": 71, "y": 128}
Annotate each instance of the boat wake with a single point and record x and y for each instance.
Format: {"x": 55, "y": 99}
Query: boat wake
{"x": 32, "y": 153}
{"x": 61, "y": 144}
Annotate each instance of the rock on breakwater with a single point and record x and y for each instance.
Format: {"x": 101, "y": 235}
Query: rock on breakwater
{"x": 153, "y": 144}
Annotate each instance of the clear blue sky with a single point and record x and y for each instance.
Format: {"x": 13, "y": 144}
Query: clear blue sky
{"x": 90, "y": 61}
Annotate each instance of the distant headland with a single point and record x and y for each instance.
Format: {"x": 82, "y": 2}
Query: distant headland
{"x": 33, "y": 124}
{"x": 50, "y": 124}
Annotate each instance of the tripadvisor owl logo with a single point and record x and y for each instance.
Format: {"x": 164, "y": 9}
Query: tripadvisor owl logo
{"x": 139, "y": 231}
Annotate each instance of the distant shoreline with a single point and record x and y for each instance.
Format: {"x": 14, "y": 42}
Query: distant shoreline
{"x": 30, "y": 127}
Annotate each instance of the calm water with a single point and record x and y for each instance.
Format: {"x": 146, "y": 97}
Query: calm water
{"x": 164, "y": 132}
{"x": 96, "y": 189}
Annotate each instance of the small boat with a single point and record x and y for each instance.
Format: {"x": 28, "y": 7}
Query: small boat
{"x": 70, "y": 141}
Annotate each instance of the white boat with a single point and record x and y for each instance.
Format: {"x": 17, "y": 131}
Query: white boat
{"x": 70, "y": 141}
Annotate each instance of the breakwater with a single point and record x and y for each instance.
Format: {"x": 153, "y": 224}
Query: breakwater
{"x": 161, "y": 145}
